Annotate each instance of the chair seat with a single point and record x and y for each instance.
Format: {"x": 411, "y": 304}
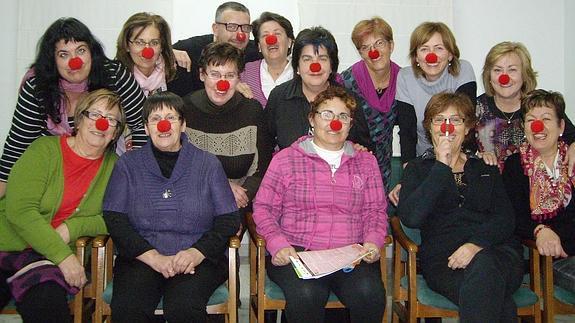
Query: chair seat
{"x": 273, "y": 291}
{"x": 425, "y": 295}
{"x": 563, "y": 295}
{"x": 219, "y": 296}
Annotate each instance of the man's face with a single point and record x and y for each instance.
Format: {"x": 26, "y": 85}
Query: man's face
{"x": 238, "y": 38}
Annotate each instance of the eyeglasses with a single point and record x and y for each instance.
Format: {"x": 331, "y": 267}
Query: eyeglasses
{"x": 230, "y": 26}
{"x": 172, "y": 118}
{"x": 379, "y": 44}
{"x": 455, "y": 120}
{"x": 92, "y": 115}
{"x": 140, "y": 43}
{"x": 214, "y": 75}
{"x": 328, "y": 115}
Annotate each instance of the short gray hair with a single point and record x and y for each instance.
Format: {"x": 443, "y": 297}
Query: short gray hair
{"x": 230, "y": 5}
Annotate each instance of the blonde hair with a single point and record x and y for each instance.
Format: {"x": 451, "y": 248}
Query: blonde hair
{"x": 422, "y": 34}
{"x": 505, "y": 48}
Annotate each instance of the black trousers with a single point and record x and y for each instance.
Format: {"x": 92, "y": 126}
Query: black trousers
{"x": 484, "y": 290}
{"x": 45, "y": 303}
{"x": 138, "y": 289}
{"x": 361, "y": 291}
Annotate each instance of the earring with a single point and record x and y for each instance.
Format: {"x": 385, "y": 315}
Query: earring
{"x": 561, "y": 135}
{"x": 417, "y": 64}
{"x": 449, "y": 63}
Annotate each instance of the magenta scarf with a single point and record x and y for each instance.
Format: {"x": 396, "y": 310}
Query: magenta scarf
{"x": 365, "y": 84}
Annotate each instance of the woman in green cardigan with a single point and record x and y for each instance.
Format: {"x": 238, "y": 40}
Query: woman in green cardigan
{"x": 54, "y": 196}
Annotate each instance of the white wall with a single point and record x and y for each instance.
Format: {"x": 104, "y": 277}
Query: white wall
{"x": 542, "y": 25}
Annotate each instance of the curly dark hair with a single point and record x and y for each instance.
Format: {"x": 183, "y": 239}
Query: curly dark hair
{"x": 47, "y": 77}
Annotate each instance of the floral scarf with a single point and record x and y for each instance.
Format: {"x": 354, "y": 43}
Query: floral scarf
{"x": 547, "y": 195}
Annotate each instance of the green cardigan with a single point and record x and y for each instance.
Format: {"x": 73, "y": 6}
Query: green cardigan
{"x": 33, "y": 196}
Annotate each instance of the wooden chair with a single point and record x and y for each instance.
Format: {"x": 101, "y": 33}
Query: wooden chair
{"x": 413, "y": 299}
{"x": 223, "y": 300}
{"x": 83, "y": 301}
{"x": 265, "y": 294}
{"x": 556, "y": 300}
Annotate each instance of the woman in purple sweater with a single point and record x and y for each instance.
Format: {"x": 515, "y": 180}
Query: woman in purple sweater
{"x": 320, "y": 193}
{"x": 170, "y": 211}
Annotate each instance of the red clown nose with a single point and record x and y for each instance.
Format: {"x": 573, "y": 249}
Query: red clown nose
{"x": 240, "y": 37}
{"x": 148, "y": 53}
{"x": 335, "y": 125}
{"x": 75, "y": 63}
{"x": 271, "y": 39}
{"x": 315, "y": 67}
{"x": 102, "y": 124}
{"x": 373, "y": 54}
{"x": 431, "y": 58}
{"x": 447, "y": 128}
{"x": 164, "y": 126}
{"x": 504, "y": 79}
{"x": 537, "y": 126}
{"x": 223, "y": 85}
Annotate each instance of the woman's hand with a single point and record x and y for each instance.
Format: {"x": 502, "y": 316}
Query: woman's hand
{"x": 64, "y": 233}
{"x": 374, "y": 252}
{"x": 245, "y": 90}
{"x": 281, "y": 258}
{"x": 185, "y": 261}
{"x": 73, "y": 271}
{"x": 394, "y": 194}
{"x": 158, "y": 262}
{"x": 549, "y": 244}
{"x": 183, "y": 59}
{"x": 240, "y": 195}
{"x": 443, "y": 150}
{"x": 463, "y": 256}
{"x": 489, "y": 158}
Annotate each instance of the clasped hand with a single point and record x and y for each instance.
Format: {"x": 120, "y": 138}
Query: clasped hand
{"x": 184, "y": 262}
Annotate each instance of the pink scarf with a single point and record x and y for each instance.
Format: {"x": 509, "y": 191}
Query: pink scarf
{"x": 546, "y": 195}
{"x": 365, "y": 84}
{"x": 63, "y": 128}
{"x": 156, "y": 81}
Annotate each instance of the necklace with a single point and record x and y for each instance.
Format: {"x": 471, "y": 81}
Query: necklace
{"x": 508, "y": 118}
{"x": 379, "y": 90}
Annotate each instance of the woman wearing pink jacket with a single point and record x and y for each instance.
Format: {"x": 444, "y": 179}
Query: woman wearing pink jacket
{"x": 321, "y": 193}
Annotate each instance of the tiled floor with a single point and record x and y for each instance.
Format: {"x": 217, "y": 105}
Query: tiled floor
{"x": 243, "y": 311}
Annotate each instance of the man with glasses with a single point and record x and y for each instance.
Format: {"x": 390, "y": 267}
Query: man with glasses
{"x": 231, "y": 25}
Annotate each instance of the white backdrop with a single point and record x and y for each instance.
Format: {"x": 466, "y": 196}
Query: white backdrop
{"x": 542, "y": 25}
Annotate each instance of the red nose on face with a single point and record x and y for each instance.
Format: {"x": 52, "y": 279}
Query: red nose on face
{"x": 240, "y": 36}
{"x": 504, "y": 79}
{"x": 373, "y": 54}
{"x": 164, "y": 126}
{"x": 315, "y": 67}
{"x": 447, "y": 128}
{"x": 431, "y": 58}
{"x": 102, "y": 124}
{"x": 223, "y": 85}
{"x": 75, "y": 63}
{"x": 335, "y": 125}
{"x": 148, "y": 53}
{"x": 271, "y": 39}
{"x": 537, "y": 126}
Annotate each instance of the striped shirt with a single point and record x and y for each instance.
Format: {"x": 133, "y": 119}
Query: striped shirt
{"x": 29, "y": 120}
